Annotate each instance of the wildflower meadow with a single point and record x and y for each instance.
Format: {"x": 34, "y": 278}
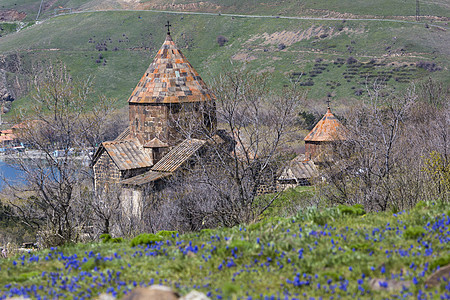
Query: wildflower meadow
{"x": 332, "y": 253}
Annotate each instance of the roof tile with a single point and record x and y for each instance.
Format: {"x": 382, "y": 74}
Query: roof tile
{"x": 181, "y": 83}
{"x": 127, "y": 154}
{"x": 178, "y": 155}
{"x": 328, "y": 129}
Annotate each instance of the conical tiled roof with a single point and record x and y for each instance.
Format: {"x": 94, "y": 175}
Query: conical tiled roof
{"x": 170, "y": 78}
{"x": 328, "y": 129}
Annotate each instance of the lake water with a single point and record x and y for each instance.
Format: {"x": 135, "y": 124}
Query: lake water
{"x": 9, "y": 173}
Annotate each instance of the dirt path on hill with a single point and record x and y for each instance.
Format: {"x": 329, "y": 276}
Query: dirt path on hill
{"x": 260, "y": 16}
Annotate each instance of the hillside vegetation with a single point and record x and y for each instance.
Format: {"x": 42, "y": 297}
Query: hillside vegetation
{"x": 331, "y": 253}
{"x": 344, "y": 8}
{"x": 342, "y": 58}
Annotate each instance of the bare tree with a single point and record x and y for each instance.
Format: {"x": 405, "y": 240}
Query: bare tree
{"x": 431, "y": 122}
{"x": 381, "y": 165}
{"x": 60, "y": 134}
{"x": 241, "y": 159}
{"x": 105, "y": 206}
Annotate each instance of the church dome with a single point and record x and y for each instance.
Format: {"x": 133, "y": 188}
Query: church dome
{"x": 328, "y": 129}
{"x": 170, "y": 78}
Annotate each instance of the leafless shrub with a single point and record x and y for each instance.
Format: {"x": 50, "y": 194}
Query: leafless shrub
{"x": 60, "y": 135}
{"x": 351, "y": 60}
{"x": 381, "y": 165}
{"x": 281, "y": 46}
{"x": 429, "y": 66}
{"x": 221, "y": 40}
{"x": 220, "y": 186}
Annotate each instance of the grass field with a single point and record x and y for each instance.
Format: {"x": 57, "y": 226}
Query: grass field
{"x": 322, "y": 254}
{"x": 285, "y": 48}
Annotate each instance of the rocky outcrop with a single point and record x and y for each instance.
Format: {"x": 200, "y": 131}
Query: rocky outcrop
{"x": 11, "y": 15}
{"x": 156, "y": 292}
{"x": 443, "y": 273}
{"x": 391, "y": 285}
{"x": 13, "y": 81}
{"x": 195, "y": 295}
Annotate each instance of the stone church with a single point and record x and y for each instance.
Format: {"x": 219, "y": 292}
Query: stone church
{"x": 169, "y": 97}
{"x": 305, "y": 168}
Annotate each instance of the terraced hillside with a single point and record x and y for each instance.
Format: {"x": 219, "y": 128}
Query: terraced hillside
{"x": 326, "y": 56}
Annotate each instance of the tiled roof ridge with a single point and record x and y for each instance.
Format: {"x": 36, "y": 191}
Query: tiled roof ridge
{"x": 155, "y": 143}
{"x": 127, "y": 140}
{"x": 123, "y": 135}
{"x": 178, "y": 155}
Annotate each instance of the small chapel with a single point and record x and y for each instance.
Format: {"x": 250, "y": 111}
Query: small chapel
{"x": 169, "y": 95}
{"x": 305, "y": 168}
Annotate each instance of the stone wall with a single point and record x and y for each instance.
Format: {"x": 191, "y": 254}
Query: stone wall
{"x": 164, "y": 121}
{"x": 105, "y": 172}
{"x": 312, "y": 149}
{"x": 148, "y": 121}
{"x": 132, "y": 201}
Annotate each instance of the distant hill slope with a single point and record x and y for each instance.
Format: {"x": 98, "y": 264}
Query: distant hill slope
{"x": 333, "y": 8}
{"x": 329, "y": 56}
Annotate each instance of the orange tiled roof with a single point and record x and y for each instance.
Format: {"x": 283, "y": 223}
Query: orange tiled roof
{"x": 328, "y": 129}
{"x": 7, "y": 137}
{"x": 299, "y": 168}
{"x": 127, "y": 154}
{"x": 178, "y": 155}
{"x": 28, "y": 124}
{"x": 170, "y": 78}
{"x": 6, "y": 131}
{"x": 169, "y": 163}
{"x": 124, "y": 135}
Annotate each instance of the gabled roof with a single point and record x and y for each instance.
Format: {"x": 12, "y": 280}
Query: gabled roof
{"x": 178, "y": 155}
{"x": 126, "y": 154}
{"x": 6, "y": 131}
{"x": 170, "y": 78}
{"x": 7, "y": 137}
{"x": 124, "y": 135}
{"x": 156, "y": 143}
{"x": 168, "y": 164}
{"x": 328, "y": 129}
{"x": 148, "y": 176}
{"x": 299, "y": 168}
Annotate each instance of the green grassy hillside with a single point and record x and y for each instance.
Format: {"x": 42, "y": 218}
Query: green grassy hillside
{"x": 388, "y": 51}
{"x": 308, "y": 7}
{"x": 334, "y": 253}
{"x": 342, "y": 8}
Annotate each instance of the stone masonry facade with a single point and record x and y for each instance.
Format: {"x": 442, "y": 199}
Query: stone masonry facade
{"x": 105, "y": 171}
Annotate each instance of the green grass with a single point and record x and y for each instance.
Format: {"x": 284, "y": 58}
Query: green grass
{"x": 66, "y": 38}
{"x": 6, "y": 28}
{"x": 287, "y": 256}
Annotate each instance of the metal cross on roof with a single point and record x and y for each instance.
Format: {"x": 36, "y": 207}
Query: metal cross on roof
{"x": 168, "y": 27}
{"x": 328, "y": 102}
